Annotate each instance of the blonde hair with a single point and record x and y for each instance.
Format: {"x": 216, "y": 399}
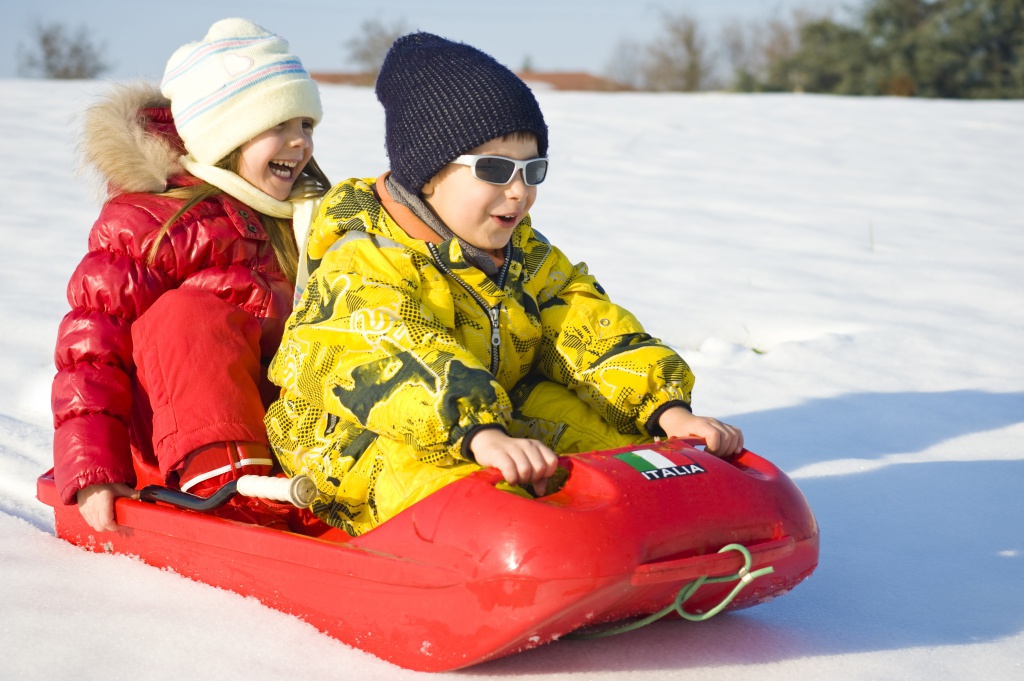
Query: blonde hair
{"x": 312, "y": 182}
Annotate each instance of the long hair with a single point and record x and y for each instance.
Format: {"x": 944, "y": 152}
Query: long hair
{"x": 311, "y": 182}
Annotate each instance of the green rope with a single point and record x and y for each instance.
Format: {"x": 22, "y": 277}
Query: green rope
{"x": 744, "y": 575}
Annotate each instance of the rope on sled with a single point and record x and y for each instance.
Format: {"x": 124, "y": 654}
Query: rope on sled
{"x": 744, "y": 575}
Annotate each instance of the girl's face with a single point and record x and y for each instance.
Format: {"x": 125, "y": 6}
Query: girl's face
{"x": 483, "y": 214}
{"x": 272, "y": 160}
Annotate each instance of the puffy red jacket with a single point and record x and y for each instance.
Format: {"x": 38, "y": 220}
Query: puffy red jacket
{"x": 218, "y": 246}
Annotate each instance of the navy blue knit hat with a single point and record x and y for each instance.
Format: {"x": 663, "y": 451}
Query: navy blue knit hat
{"x": 441, "y": 99}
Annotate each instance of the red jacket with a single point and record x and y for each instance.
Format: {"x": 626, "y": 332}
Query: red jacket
{"x": 218, "y": 246}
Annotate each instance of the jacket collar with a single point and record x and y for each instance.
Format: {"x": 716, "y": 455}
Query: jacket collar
{"x": 402, "y": 215}
{"x": 410, "y": 223}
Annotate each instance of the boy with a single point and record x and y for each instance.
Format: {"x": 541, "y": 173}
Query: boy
{"x": 438, "y": 332}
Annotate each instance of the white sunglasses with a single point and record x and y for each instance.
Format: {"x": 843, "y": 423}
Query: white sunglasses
{"x": 501, "y": 170}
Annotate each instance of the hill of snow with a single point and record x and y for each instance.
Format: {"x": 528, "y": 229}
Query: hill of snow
{"x": 844, "y": 276}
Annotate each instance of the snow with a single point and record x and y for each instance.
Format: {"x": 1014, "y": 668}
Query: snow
{"x": 844, "y": 276}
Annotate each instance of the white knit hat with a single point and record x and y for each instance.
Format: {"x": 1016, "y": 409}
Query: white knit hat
{"x": 232, "y": 85}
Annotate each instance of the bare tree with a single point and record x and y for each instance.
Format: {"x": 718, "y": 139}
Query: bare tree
{"x": 740, "y": 47}
{"x": 680, "y": 58}
{"x": 56, "y": 53}
{"x": 368, "y": 49}
{"x": 760, "y": 52}
{"x": 625, "y": 64}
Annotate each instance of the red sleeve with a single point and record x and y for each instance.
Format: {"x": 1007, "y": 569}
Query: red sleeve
{"x": 92, "y": 391}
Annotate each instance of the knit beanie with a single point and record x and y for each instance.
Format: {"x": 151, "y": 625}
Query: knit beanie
{"x": 232, "y": 85}
{"x": 441, "y": 99}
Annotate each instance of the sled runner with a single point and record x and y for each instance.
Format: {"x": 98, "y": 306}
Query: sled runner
{"x": 472, "y": 573}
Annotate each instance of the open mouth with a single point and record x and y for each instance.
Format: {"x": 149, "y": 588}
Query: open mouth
{"x": 507, "y": 220}
{"x": 283, "y": 169}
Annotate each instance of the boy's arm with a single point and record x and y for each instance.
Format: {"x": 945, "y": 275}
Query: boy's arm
{"x": 600, "y": 350}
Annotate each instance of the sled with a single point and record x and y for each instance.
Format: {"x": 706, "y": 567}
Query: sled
{"x": 473, "y": 573}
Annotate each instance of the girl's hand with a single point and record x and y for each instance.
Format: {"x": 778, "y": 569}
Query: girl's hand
{"x": 519, "y": 460}
{"x": 96, "y": 504}
{"x": 721, "y": 439}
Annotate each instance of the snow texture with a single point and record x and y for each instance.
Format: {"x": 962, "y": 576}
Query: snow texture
{"x": 844, "y": 276}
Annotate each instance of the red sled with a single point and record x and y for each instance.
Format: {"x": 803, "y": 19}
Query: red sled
{"x": 473, "y": 573}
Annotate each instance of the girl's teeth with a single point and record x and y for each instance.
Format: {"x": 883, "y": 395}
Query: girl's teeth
{"x": 283, "y": 169}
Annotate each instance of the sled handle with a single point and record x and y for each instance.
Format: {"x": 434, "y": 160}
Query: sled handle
{"x": 712, "y": 564}
{"x": 300, "y": 491}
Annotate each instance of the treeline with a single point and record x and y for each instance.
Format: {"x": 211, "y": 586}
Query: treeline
{"x": 924, "y": 48}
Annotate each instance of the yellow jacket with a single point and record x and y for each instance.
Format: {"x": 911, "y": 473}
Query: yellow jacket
{"x": 397, "y": 337}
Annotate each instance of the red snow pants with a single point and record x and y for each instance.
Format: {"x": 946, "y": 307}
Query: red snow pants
{"x": 198, "y": 374}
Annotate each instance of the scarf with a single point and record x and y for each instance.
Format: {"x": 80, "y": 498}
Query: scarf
{"x": 233, "y": 185}
{"x": 474, "y": 256}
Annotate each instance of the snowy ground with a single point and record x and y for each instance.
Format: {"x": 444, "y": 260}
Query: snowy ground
{"x": 844, "y": 275}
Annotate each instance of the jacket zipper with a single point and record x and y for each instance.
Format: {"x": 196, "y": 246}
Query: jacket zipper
{"x": 493, "y": 313}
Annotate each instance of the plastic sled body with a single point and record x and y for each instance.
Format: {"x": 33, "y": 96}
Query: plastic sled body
{"x": 473, "y": 573}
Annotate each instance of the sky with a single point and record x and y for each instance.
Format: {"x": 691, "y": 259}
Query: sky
{"x": 568, "y": 35}
{"x": 842, "y": 274}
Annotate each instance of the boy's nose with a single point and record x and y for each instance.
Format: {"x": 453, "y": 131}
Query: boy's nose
{"x": 517, "y": 185}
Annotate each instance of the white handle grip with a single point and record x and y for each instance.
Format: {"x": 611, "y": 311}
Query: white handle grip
{"x": 299, "y": 491}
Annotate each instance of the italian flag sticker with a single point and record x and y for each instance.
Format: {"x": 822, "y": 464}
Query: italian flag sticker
{"x": 656, "y": 466}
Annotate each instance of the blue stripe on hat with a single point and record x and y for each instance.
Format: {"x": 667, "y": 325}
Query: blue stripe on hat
{"x": 205, "y": 50}
{"x": 275, "y": 70}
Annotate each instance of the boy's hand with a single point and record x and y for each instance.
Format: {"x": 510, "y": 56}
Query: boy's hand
{"x": 96, "y": 504}
{"x": 519, "y": 460}
{"x": 721, "y": 439}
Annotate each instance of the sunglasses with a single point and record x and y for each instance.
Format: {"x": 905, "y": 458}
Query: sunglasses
{"x": 501, "y": 170}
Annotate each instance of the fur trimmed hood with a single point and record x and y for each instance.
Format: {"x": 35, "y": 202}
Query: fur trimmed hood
{"x": 129, "y": 140}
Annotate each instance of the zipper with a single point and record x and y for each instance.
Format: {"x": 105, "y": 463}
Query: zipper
{"x": 493, "y": 313}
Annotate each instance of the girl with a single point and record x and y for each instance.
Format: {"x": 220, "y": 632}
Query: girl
{"x": 179, "y": 303}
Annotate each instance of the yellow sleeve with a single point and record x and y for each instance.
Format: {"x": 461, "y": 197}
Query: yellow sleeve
{"x": 601, "y": 351}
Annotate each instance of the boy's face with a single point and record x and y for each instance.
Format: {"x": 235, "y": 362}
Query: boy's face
{"x": 479, "y": 213}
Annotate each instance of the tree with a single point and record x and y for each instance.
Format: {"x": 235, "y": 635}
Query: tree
{"x": 761, "y": 54}
{"x": 625, "y": 64}
{"x": 893, "y": 29}
{"x": 367, "y": 51}
{"x": 832, "y": 58}
{"x": 972, "y": 48}
{"x": 926, "y": 48}
{"x": 680, "y": 59}
{"x": 945, "y": 48}
{"x": 58, "y": 54}
{"x": 742, "y": 53}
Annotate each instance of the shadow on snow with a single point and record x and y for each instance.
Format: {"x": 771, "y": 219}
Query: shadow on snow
{"x": 929, "y": 554}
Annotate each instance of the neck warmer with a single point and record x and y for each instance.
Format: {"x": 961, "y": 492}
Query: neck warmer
{"x": 233, "y": 185}
{"x": 473, "y": 255}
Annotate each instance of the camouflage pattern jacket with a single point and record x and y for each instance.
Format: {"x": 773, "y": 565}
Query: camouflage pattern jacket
{"x": 400, "y": 338}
